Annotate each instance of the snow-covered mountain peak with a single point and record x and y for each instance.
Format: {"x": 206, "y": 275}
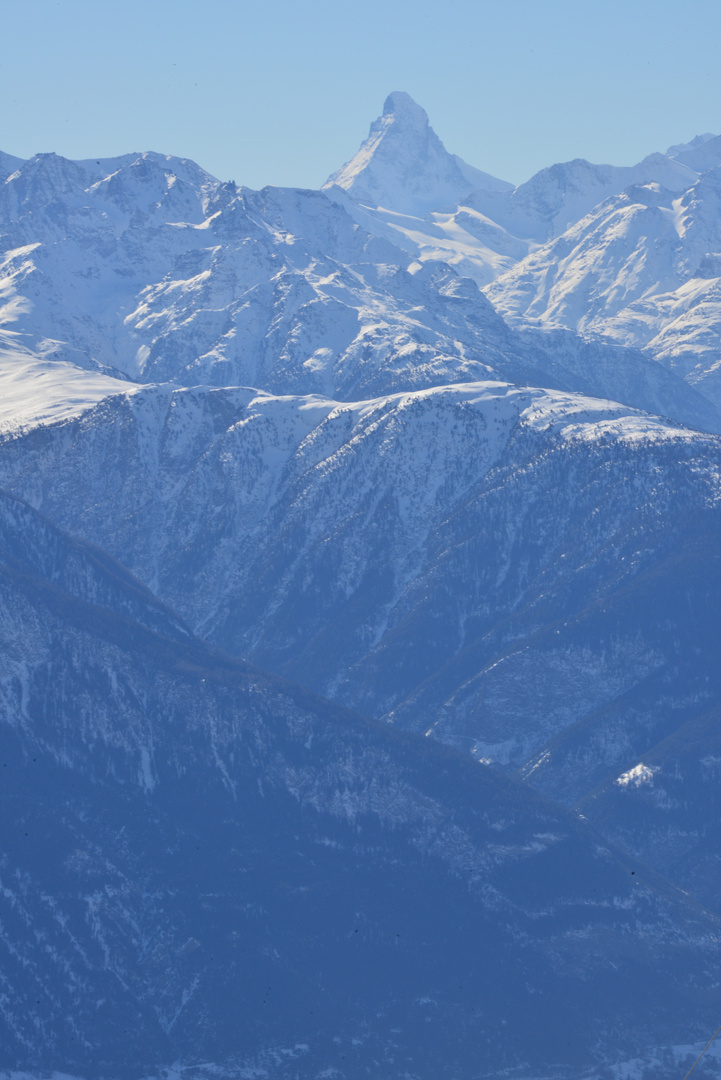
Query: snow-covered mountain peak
{"x": 39, "y": 181}
{"x": 701, "y": 154}
{"x": 150, "y": 184}
{"x": 694, "y": 144}
{"x": 404, "y": 109}
{"x": 404, "y": 166}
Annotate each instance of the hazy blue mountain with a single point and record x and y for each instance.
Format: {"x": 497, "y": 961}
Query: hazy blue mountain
{"x": 701, "y": 153}
{"x": 527, "y": 575}
{"x": 203, "y": 864}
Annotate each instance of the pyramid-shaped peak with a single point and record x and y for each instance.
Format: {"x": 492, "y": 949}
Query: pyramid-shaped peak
{"x": 403, "y": 166}
{"x": 402, "y": 106}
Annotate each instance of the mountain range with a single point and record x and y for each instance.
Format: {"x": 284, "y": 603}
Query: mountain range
{"x": 359, "y": 617}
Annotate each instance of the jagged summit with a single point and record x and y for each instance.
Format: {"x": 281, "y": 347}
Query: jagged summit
{"x": 404, "y": 166}
{"x": 694, "y": 144}
{"x": 401, "y": 105}
{"x": 702, "y": 153}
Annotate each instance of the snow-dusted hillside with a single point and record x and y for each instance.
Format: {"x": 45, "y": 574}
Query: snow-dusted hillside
{"x": 458, "y": 560}
{"x": 642, "y": 269}
{"x": 221, "y": 864}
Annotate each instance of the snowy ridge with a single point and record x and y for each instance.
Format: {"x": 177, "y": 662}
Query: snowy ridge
{"x": 557, "y": 197}
{"x": 47, "y": 383}
{"x": 483, "y": 228}
{"x": 643, "y": 268}
{"x": 160, "y": 277}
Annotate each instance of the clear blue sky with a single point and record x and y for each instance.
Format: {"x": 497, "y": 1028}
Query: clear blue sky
{"x": 283, "y": 91}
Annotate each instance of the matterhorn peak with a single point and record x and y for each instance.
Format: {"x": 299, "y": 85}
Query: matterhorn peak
{"x": 403, "y": 166}
{"x": 404, "y": 109}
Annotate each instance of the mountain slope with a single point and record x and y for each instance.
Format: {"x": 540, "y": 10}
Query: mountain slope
{"x": 642, "y": 269}
{"x": 221, "y": 864}
{"x": 458, "y": 560}
{"x": 664, "y": 806}
{"x": 45, "y": 381}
